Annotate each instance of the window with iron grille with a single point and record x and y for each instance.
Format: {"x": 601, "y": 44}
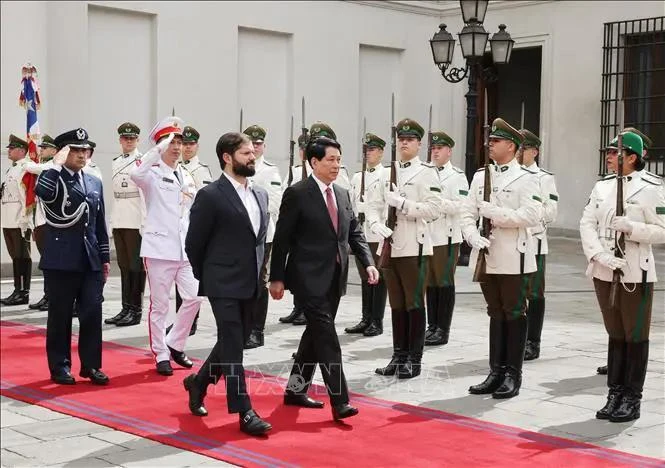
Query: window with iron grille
{"x": 633, "y": 81}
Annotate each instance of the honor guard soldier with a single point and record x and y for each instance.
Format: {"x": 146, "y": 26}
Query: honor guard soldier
{"x": 127, "y": 216}
{"x": 90, "y": 166}
{"x": 169, "y": 192}
{"x": 76, "y": 260}
{"x": 373, "y": 295}
{"x": 550, "y": 198}
{"x": 16, "y": 224}
{"x": 267, "y": 177}
{"x": 446, "y": 238}
{"x": 417, "y": 199}
{"x": 514, "y": 207}
{"x": 628, "y": 319}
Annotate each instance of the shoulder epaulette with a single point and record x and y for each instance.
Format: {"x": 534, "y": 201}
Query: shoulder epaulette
{"x": 608, "y": 177}
{"x": 387, "y": 167}
{"x": 650, "y": 181}
{"x": 267, "y": 163}
{"x": 652, "y": 178}
{"x": 528, "y": 170}
{"x": 118, "y": 156}
{"x": 655, "y": 176}
{"x": 299, "y": 165}
{"x": 426, "y": 164}
{"x": 204, "y": 165}
{"x": 480, "y": 169}
{"x": 458, "y": 170}
{"x": 545, "y": 171}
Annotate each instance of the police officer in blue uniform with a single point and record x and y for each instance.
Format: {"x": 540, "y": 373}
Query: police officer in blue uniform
{"x": 76, "y": 259}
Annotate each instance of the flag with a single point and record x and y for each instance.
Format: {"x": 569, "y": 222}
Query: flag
{"x": 29, "y": 99}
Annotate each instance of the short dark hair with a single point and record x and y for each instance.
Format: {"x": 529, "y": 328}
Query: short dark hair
{"x": 230, "y": 143}
{"x": 316, "y": 148}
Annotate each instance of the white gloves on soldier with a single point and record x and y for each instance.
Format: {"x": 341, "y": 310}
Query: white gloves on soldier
{"x": 478, "y": 242}
{"x": 361, "y": 207}
{"x": 395, "y": 199}
{"x": 61, "y": 156}
{"x": 621, "y": 224}
{"x": 381, "y": 230}
{"x": 609, "y": 260}
{"x": 488, "y": 210}
{"x": 164, "y": 144}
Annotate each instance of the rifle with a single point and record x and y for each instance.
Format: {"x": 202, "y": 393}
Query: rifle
{"x": 292, "y": 146}
{"x": 520, "y": 150}
{"x": 361, "y": 216}
{"x": 386, "y": 251}
{"x": 240, "y": 120}
{"x": 303, "y": 130}
{"x": 485, "y": 225}
{"x": 619, "y": 240}
{"x": 429, "y": 136}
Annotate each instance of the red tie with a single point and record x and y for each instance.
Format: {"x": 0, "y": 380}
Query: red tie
{"x": 332, "y": 207}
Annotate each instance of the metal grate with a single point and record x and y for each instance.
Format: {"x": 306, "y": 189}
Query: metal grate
{"x": 634, "y": 70}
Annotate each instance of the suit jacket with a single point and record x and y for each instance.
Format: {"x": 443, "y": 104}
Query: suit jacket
{"x": 225, "y": 254}
{"x": 305, "y": 247}
{"x": 84, "y": 245}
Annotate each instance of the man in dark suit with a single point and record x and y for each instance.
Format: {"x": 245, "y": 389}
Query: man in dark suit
{"x": 225, "y": 245}
{"x": 75, "y": 260}
{"x": 315, "y": 228}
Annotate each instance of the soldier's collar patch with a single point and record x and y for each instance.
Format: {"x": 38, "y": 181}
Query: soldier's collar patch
{"x": 441, "y": 168}
{"x": 404, "y": 165}
{"x": 371, "y": 169}
{"x": 501, "y": 168}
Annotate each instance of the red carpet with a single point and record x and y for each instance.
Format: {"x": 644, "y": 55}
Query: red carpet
{"x": 141, "y": 402}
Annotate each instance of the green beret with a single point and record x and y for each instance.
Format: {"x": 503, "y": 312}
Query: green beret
{"x": 531, "y": 140}
{"x": 502, "y": 130}
{"x": 47, "y": 142}
{"x": 646, "y": 141}
{"x": 129, "y": 129}
{"x": 190, "y": 135}
{"x": 373, "y": 141}
{"x": 302, "y": 141}
{"x": 16, "y": 142}
{"x": 410, "y": 128}
{"x": 255, "y": 133}
{"x": 320, "y": 129}
{"x": 442, "y": 139}
{"x": 630, "y": 141}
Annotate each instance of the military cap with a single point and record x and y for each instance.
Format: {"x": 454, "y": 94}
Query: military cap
{"x": 190, "y": 135}
{"x": 47, "y": 142}
{"x": 502, "y": 130}
{"x": 646, "y": 141}
{"x": 442, "y": 138}
{"x": 16, "y": 142}
{"x": 93, "y": 145}
{"x": 129, "y": 129}
{"x": 320, "y": 129}
{"x": 630, "y": 141}
{"x": 531, "y": 140}
{"x": 165, "y": 127}
{"x": 410, "y": 128}
{"x": 77, "y": 138}
{"x": 255, "y": 133}
{"x": 302, "y": 141}
{"x": 373, "y": 141}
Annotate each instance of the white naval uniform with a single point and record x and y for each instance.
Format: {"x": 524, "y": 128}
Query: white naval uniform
{"x": 128, "y": 210}
{"x": 267, "y": 177}
{"x": 13, "y": 214}
{"x": 644, "y": 202}
{"x": 342, "y": 178}
{"x": 550, "y": 198}
{"x": 200, "y": 172}
{"x": 378, "y": 175}
{"x": 454, "y": 188}
{"x": 418, "y": 183}
{"x": 168, "y": 199}
{"x": 93, "y": 169}
{"x": 36, "y": 169}
{"x": 515, "y": 192}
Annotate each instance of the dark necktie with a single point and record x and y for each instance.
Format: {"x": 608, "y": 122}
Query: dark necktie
{"x": 175, "y": 173}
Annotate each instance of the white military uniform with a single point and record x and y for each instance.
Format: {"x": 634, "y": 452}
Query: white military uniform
{"x": 378, "y": 175}
{"x": 550, "y": 198}
{"x": 92, "y": 169}
{"x": 342, "y": 180}
{"x": 168, "y": 199}
{"x": 128, "y": 210}
{"x": 644, "y": 201}
{"x": 267, "y": 177}
{"x": 36, "y": 169}
{"x": 13, "y": 197}
{"x": 418, "y": 183}
{"x": 200, "y": 172}
{"x": 454, "y": 188}
{"x": 515, "y": 194}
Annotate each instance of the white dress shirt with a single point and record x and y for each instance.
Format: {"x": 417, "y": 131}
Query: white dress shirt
{"x": 249, "y": 200}
{"x": 323, "y": 187}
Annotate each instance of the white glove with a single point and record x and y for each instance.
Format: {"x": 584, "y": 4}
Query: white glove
{"x": 609, "y": 260}
{"x": 381, "y": 230}
{"x": 478, "y": 242}
{"x": 621, "y": 224}
{"x": 394, "y": 198}
{"x": 361, "y": 207}
{"x": 488, "y": 210}
{"x": 164, "y": 144}
{"x": 61, "y": 156}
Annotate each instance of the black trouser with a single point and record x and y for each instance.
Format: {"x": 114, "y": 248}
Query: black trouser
{"x": 18, "y": 248}
{"x": 86, "y": 289}
{"x": 261, "y": 310}
{"x": 133, "y": 276}
{"x": 234, "y": 321}
{"x": 38, "y": 235}
{"x": 319, "y": 344}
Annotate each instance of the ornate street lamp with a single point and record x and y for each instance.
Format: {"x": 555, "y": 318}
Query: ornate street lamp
{"x": 501, "y": 45}
{"x": 473, "y": 10}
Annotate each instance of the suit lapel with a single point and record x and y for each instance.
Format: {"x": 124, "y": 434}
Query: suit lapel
{"x": 229, "y": 191}
{"x": 263, "y": 210}
{"x": 342, "y": 201}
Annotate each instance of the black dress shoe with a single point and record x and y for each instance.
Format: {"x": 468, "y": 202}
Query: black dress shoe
{"x": 44, "y": 306}
{"x": 64, "y": 377}
{"x": 344, "y": 410}
{"x": 289, "y": 318}
{"x": 180, "y": 358}
{"x": 116, "y": 318}
{"x": 252, "y": 424}
{"x": 602, "y": 370}
{"x": 164, "y": 368}
{"x": 196, "y": 396}
{"x": 39, "y": 304}
{"x": 358, "y": 328}
{"x": 133, "y": 317}
{"x": 11, "y": 297}
{"x": 296, "y": 399}
{"x": 373, "y": 330}
{"x": 96, "y": 376}
{"x": 255, "y": 340}
{"x": 300, "y": 320}
{"x": 20, "y": 298}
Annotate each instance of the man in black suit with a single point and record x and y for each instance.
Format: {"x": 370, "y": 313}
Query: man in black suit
{"x": 315, "y": 228}
{"x": 225, "y": 245}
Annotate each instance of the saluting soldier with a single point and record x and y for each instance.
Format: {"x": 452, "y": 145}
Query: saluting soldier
{"x": 514, "y": 207}
{"x": 268, "y": 178}
{"x": 16, "y": 224}
{"x": 417, "y": 198}
{"x": 373, "y": 295}
{"x": 91, "y": 167}
{"x": 643, "y": 224}
{"x": 446, "y": 238}
{"x": 127, "y": 217}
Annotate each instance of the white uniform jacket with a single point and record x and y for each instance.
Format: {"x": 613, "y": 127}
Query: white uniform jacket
{"x": 378, "y": 175}
{"x": 13, "y": 213}
{"x": 267, "y": 177}
{"x": 36, "y": 169}
{"x": 200, "y": 172}
{"x": 128, "y": 211}
{"x": 454, "y": 188}
{"x": 550, "y": 198}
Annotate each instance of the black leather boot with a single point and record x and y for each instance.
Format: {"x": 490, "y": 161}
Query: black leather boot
{"x": 366, "y": 290}
{"x": 412, "y": 367}
{"x": 446, "y": 304}
{"x": 17, "y": 283}
{"x": 602, "y": 370}
{"x": 535, "y": 316}
{"x": 637, "y": 358}
{"x": 432, "y": 300}
{"x": 616, "y": 364}
{"x": 378, "y": 309}
{"x": 43, "y": 302}
{"x": 291, "y": 317}
{"x": 515, "y": 343}
{"x": 26, "y": 277}
{"x": 400, "y": 341}
{"x": 497, "y": 359}
{"x": 125, "y": 286}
